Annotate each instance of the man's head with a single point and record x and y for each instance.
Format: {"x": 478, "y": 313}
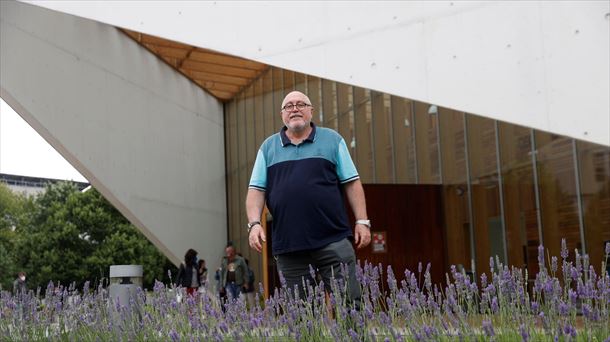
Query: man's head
{"x": 295, "y": 118}
{"x": 230, "y": 252}
{"x": 21, "y": 275}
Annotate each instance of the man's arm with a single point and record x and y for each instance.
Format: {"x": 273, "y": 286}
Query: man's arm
{"x": 255, "y": 201}
{"x": 355, "y": 196}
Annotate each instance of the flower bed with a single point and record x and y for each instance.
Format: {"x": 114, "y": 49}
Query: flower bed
{"x": 566, "y": 302}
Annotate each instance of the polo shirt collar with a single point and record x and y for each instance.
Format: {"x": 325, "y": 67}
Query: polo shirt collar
{"x": 286, "y": 141}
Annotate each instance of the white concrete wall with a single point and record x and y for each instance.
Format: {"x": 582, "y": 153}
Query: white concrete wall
{"x": 542, "y": 64}
{"x": 146, "y": 137}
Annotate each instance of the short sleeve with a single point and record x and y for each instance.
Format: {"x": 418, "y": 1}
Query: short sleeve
{"x": 258, "y": 180}
{"x": 346, "y": 170}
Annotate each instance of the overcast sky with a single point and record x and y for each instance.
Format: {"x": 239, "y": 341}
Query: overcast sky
{"x": 23, "y": 152}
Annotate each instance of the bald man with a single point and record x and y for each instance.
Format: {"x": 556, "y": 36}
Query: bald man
{"x": 301, "y": 173}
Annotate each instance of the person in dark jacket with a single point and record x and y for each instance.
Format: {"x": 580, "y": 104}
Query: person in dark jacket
{"x": 19, "y": 285}
{"x": 233, "y": 273}
{"x": 188, "y": 275}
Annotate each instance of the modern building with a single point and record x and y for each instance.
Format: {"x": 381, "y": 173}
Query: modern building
{"x": 31, "y": 186}
{"x": 478, "y": 128}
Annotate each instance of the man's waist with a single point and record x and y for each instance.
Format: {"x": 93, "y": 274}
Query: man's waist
{"x": 304, "y": 246}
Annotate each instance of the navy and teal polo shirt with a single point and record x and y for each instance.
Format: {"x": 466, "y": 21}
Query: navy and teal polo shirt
{"x": 302, "y": 185}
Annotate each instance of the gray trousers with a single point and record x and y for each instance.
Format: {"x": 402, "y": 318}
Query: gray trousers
{"x": 326, "y": 262}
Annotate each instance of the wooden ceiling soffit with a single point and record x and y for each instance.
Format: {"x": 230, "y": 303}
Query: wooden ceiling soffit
{"x": 221, "y": 75}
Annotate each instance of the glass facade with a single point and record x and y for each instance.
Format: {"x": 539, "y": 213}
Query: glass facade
{"x": 505, "y": 188}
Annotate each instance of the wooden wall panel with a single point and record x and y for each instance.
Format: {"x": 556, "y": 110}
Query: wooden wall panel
{"x": 411, "y": 216}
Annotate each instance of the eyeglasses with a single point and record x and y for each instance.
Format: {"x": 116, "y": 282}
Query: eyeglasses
{"x": 300, "y": 106}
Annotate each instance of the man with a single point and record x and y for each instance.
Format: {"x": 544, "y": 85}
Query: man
{"x": 19, "y": 285}
{"x": 300, "y": 173}
{"x": 233, "y": 273}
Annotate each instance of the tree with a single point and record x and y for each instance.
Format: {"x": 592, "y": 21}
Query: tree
{"x": 12, "y": 214}
{"x": 75, "y": 237}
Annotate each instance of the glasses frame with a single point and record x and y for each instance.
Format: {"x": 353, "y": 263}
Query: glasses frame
{"x": 293, "y": 106}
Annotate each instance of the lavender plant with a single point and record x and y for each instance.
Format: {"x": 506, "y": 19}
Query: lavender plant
{"x": 568, "y": 301}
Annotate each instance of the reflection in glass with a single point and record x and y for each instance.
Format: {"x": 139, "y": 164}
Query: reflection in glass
{"x": 346, "y": 116}
{"x": 557, "y": 183}
{"x": 259, "y": 113}
{"x": 243, "y": 171}
{"x": 329, "y": 104}
{"x": 455, "y": 188}
{"x": 364, "y": 146}
{"x": 520, "y": 213}
{"x": 426, "y": 135}
{"x": 594, "y": 166}
{"x": 270, "y": 110}
{"x": 486, "y": 216}
{"x": 404, "y": 145}
{"x": 278, "y": 96}
{"x": 382, "y": 138}
{"x": 300, "y": 82}
{"x": 314, "y": 92}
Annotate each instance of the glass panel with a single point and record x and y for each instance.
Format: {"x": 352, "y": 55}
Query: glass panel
{"x": 259, "y": 117}
{"x": 243, "y": 171}
{"x": 329, "y": 103}
{"x": 455, "y": 188}
{"x": 520, "y": 213}
{"x": 314, "y": 92}
{"x": 427, "y": 143}
{"x": 402, "y": 133}
{"x": 288, "y": 81}
{"x": 271, "y": 110}
{"x": 346, "y": 116}
{"x": 594, "y": 165}
{"x": 232, "y": 166}
{"x": 382, "y": 137}
{"x": 278, "y": 96}
{"x": 362, "y": 122}
{"x": 486, "y": 218}
{"x": 300, "y": 82}
{"x": 251, "y": 150}
{"x": 251, "y": 146}
{"x": 558, "y": 203}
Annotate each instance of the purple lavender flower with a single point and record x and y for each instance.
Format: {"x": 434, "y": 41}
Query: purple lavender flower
{"x": 353, "y": 335}
{"x": 573, "y": 296}
{"x": 569, "y": 330}
{"x": 563, "y": 308}
{"x": 524, "y": 333}
{"x": 483, "y": 280}
{"x": 564, "y": 249}
{"x": 494, "y": 304}
{"x": 392, "y": 283}
{"x": 575, "y": 273}
{"x": 607, "y": 248}
{"x": 586, "y": 311}
{"x": 488, "y": 328}
{"x": 554, "y": 264}
{"x": 174, "y": 335}
{"x": 312, "y": 272}
{"x": 429, "y": 331}
{"x": 535, "y": 307}
{"x": 541, "y": 257}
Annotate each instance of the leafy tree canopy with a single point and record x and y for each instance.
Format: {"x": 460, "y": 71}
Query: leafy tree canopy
{"x": 66, "y": 236}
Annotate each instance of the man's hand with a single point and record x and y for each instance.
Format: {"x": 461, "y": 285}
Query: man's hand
{"x": 363, "y": 236}
{"x": 257, "y": 238}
